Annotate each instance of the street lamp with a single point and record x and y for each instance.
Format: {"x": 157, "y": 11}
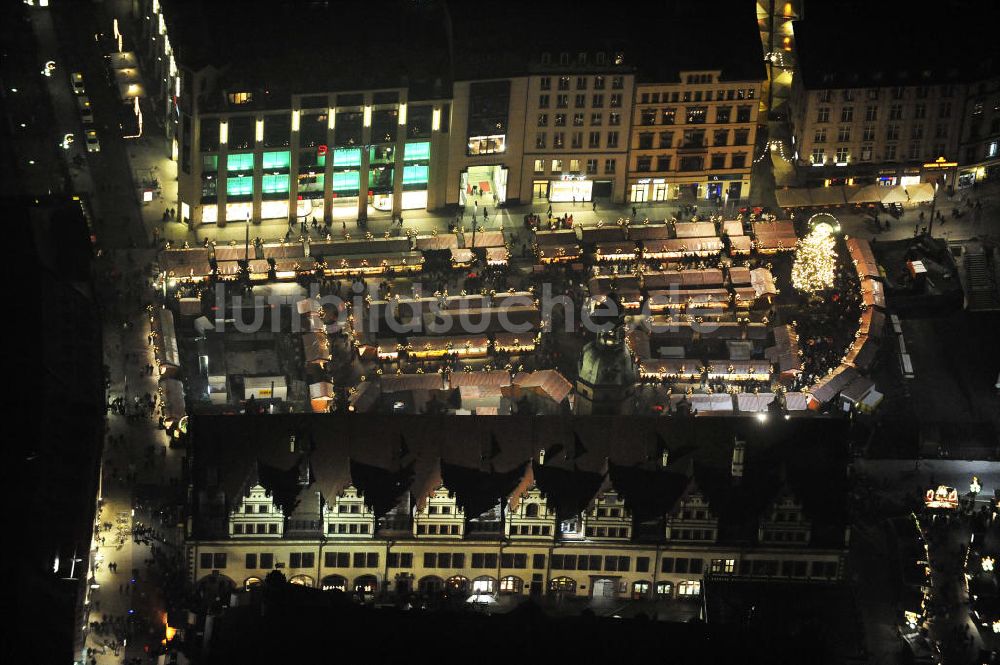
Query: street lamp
{"x": 939, "y": 164}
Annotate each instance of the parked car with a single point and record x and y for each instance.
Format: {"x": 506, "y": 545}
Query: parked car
{"x": 86, "y": 112}
{"x": 77, "y": 79}
{"x": 93, "y": 145}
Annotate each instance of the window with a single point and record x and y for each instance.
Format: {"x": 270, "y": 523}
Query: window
{"x": 743, "y": 114}
{"x": 598, "y": 83}
{"x": 663, "y": 163}
{"x": 240, "y": 186}
{"x": 580, "y": 101}
{"x": 564, "y": 83}
{"x": 642, "y": 564}
{"x": 920, "y": 111}
{"x": 430, "y": 560}
{"x": 277, "y": 160}
{"x": 578, "y": 120}
{"x": 722, "y": 114}
{"x": 890, "y": 152}
{"x": 557, "y": 166}
{"x": 543, "y": 119}
{"x": 596, "y": 119}
{"x": 648, "y": 117}
{"x": 594, "y": 140}
{"x": 871, "y": 94}
{"x": 847, "y": 114}
{"x": 666, "y": 140}
{"x": 868, "y": 133}
{"x": 581, "y": 82}
{"x": 562, "y": 101}
{"x": 543, "y": 101}
{"x": 823, "y": 114}
{"x": 617, "y": 82}
{"x": 560, "y": 120}
{"x": 209, "y": 163}
{"x": 574, "y": 166}
{"x": 642, "y": 165}
{"x": 917, "y": 132}
{"x": 616, "y": 100}
{"x": 741, "y": 136}
{"x": 667, "y": 565}
{"x": 844, "y": 134}
{"x": 539, "y": 166}
{"x": 718, "y": 161}
{"x": 818, "y": 156}
{"x": 892, "y": 132}
{"x": 696, "y": 115}
{"x": 689, "y": 588}
{"x": 896, "y": 112}
{"x": 612, "y": 139}
{"x": 842, "y": 155}
{"x": 538, "y": 561}
{"x": 645, "y": 143}
{"x": 820, "y": 135}
{"x": 866, "y": 153}
{"x": 540, "y": 140}
{"x": 545, "y": 83}
{"x": 205, "y": 560}
{"x": 240, "y": 162}
{"x": 559, "y": 140}
{"x": 597, "y": 101}
{"x": 668, "y": 116}
{"x": 614, "y": 119}
{"x": 275, "y": 184}
{"x": 609, "y": 166}
{"x": 824, "y": 96}
{"x": 219, "y": 560}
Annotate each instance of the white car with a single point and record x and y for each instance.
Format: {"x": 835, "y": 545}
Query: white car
{"x": 93, "y": 145}
{"x": 86, "y": 111}
{"x": 77, "y": 80}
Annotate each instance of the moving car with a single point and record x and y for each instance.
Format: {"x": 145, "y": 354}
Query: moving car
{"x": 86, "y": 112}
{"x": 93, "y": 145}
{"x": 77, "y": 79}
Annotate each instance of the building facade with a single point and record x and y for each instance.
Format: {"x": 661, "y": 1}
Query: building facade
{"x": 879, "y": 134}
{"x": 693, "y": 138}
{"x": 978, "y": 152}
{"x": 583, "y": 518}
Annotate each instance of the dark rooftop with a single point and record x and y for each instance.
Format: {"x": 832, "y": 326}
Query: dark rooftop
{"x": 894, "y": 44}
{"x": 483, "y": 458}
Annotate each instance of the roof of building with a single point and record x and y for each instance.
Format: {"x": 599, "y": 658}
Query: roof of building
{"x": 894, "y": 45}
{"x": 483, "y": 459}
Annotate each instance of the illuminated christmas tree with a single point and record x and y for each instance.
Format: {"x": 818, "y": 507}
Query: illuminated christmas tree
{"x": 815, "y": 260}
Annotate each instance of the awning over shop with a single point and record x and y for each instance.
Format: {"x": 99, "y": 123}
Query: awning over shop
{"x": 895, "y": 194}
{"x": 872, "y": 293}
{"x": 671, "y": 248}
{"x": 920, "y": 192}
{"x": 864, "y": 194}
{"x": 485, "y": 239}
{"x": 497, "y": 378}
{"x": 738, "y": 370}
{"x": 714, "y": 403}
{"x": 864, "y": 260}
{"x": 739, "y": 275}
{"x": 666, "y": 368}
{"x": 827, "y": 196}
{"x": 792, "y": 197}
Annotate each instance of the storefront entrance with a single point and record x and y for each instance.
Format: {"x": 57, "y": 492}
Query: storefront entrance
{"x": 566, "y": 191}
{"x": 482, "y": 183}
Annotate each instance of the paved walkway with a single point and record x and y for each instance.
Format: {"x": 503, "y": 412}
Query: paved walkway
{"x": 127, "y": 607}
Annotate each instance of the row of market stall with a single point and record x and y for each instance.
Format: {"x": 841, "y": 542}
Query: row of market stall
{"x": 838, "y": 195}
{"x": 848, "y": 379}
{"x": 332, "y": 258}
{"x": 708, "y": 291}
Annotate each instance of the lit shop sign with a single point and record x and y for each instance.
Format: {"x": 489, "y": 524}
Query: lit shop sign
{"x": 942, "y": 497}
{"x": 574, "y": 177}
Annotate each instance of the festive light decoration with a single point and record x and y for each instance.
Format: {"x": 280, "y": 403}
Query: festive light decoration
{"x": 815, "y": 260}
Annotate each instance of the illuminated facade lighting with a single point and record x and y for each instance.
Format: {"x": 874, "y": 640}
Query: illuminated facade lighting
{"x": 368, "y": 116}
{"x": 295, "y": 120}
{"x": 402, "y": 114}
{"x": 331, "y": 119}
{"x": 223, "y": 132}
{"x": 436, "y": 120}
{"x": 260, "y": 130}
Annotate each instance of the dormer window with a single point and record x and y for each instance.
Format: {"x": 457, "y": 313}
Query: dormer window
{"x": 439, "y": 515}
{"x": 348, "y": 515}
{"x": 257, "y": 515}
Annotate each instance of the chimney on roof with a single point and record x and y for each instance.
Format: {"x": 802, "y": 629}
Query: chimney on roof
{"x": 739, "y": 449}
{"x": 541, "y": 456}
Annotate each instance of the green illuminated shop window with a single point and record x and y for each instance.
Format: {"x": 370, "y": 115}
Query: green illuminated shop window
{"x": 311, "y": 183}
{"x": 320, "y": 160}
{"x": 416, "y": 152}
{"x": 239, "y": 186}
{"x": 210, "y": 163}
{"x": 347, "y": 157}
{"x": 275, "y": 184}
{"x": 344, "y": 181}
{"x": 240, "y": 162}
{"x": 277, "y": 160}
{"x": 413, "y": 175}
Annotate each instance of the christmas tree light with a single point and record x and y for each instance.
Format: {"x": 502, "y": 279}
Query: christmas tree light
{"x": 815, "y": 260}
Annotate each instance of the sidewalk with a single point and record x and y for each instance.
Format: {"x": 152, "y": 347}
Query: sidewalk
{"x": 129, "y": 602}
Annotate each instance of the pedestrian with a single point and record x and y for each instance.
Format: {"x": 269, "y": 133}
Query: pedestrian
{"x": 594, "y": 206}
{"x": 633, "y": 212}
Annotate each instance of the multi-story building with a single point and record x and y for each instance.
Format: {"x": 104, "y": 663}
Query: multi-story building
{"x": 572, "y": 506}
{"x": 693, "y": 136}
{"x": 880, "y": 115}
{"x": 576, "y": 136}
{"x": 696, "y": 111}
{"x": 979, "y": 143}
{"x": 429, "y": 114}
